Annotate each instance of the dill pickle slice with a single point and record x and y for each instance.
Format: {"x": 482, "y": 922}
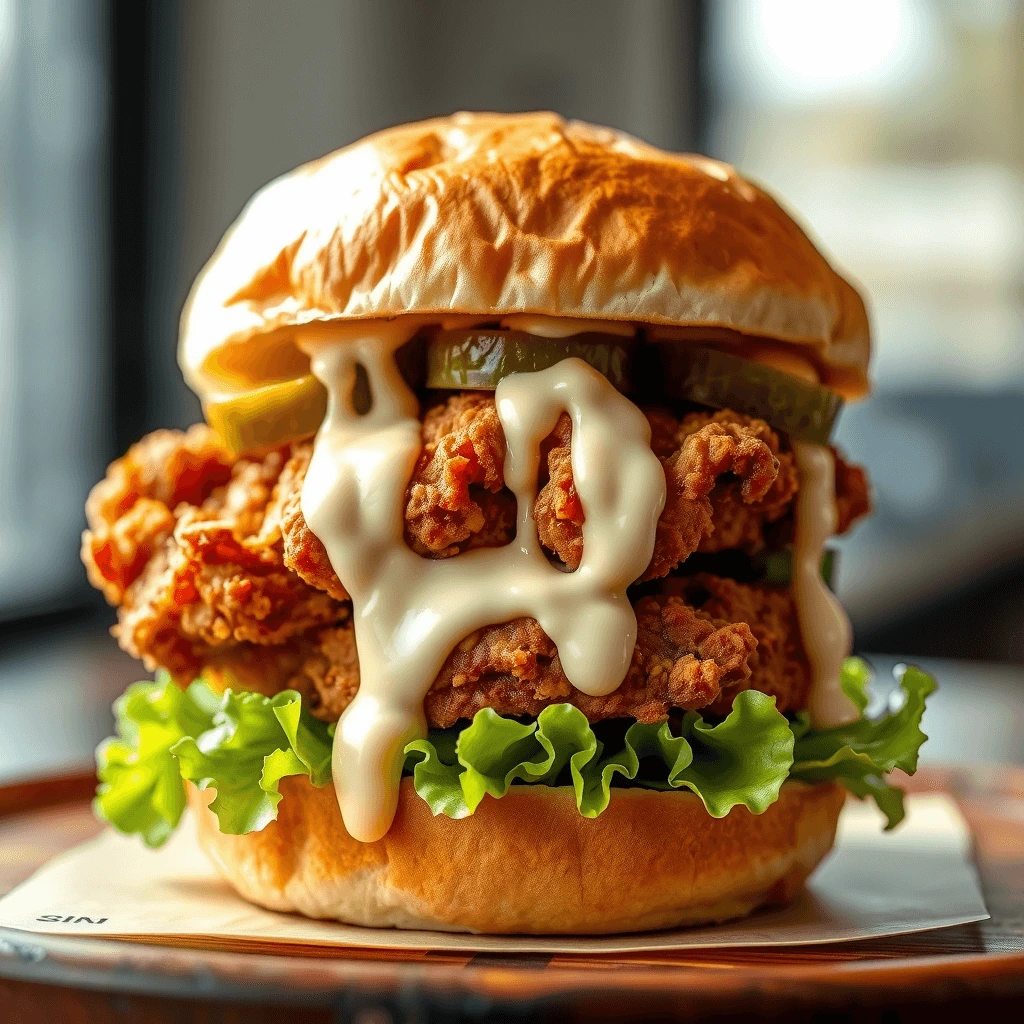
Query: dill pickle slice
{"x": 478, "y": 359}
{"x": 721, "y": 380}
{"x": 269, "y": 416}
{"x": 776, "y": 568}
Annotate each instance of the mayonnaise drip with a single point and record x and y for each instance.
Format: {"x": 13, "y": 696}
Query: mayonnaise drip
{"x": 409, "y": 611}
{"x": 565, "y": 326}
{"x": 824, "y": 624}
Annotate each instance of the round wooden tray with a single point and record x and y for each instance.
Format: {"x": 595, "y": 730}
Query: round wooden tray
{"x": 964, "y": 969}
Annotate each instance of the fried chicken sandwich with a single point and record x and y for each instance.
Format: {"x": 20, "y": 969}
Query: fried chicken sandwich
{"x": 503, "y": 552}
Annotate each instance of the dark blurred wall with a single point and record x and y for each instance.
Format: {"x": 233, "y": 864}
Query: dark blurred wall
{"x": 54, "y": 366}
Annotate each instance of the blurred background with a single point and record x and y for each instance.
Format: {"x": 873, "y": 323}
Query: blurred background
{"x": 131, "y": 134}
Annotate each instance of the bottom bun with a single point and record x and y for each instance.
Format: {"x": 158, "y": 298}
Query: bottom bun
{"x": 529, "y": 863}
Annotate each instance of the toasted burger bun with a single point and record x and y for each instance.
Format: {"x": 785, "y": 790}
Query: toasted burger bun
{"x": 494, "y": 214}
{"x": 529, "y": 863}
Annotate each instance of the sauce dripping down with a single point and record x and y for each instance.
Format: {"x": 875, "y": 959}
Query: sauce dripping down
{"x": 410, "y": 612}
{"x": 824, "y": 624}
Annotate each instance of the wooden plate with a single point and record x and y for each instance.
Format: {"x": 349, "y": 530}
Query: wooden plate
{"x": 966, "y": 968}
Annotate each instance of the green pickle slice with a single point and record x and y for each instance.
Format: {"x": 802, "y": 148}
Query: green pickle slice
{"x": 269, "y": 416}
{"x": 721, "y": 380}
{"x": 478, "y": 359}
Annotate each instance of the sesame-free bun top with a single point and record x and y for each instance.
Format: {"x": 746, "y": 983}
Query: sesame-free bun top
{"x": 496, "y": 214}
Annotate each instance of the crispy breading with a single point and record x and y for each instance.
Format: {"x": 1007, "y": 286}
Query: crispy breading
{"x": 716, "y": 465}
{"x": 683, "y": 658}
{"x": 721, "y": 494}
{"x": 463, "y": 452}
{"x": 301, "y": 549}
{"x": 206, "y": 588}
{"x": 219, "y": 576}
{"x": 853, "y": 493}
{"x": 778, "y": 666}
{"x": 707, "y": 447}
{"x": 131, "y": 511}
{"x": 558, "y": 510}
{"x": 739, "y": 523}
{"x": 211, "y": 563}
{"x": 464, "y": 446}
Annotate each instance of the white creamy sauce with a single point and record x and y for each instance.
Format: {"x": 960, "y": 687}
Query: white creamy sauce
{"x": 409, "y": 611}
{"x": 565, "y": 326}
{"x": 824, "y": 624}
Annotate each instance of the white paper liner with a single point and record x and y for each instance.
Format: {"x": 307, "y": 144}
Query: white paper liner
{"x": 873, "y": 885}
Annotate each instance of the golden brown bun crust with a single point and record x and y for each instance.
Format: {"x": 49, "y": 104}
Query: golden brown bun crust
{"x": 530, "y": 863}
{"x": 492, "y": 214}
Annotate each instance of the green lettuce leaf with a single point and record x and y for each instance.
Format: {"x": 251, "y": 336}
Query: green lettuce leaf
{"x": 253, "y": 742}
{"x": 240, "y": 744}
{"x": 742, "y": 760}
{"x": 861, "y": 754}
{"x": 140, "y": 789}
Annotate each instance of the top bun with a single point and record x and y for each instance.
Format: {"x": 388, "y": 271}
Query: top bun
{"x": 496, "y": 214}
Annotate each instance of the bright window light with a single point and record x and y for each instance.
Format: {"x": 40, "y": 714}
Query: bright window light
{"x": 810, "y": 50}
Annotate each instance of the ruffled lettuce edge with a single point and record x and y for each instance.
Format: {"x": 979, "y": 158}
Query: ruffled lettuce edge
{"x": 242, "y": 744}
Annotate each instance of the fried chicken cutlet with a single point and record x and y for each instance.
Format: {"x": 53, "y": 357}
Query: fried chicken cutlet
{"x": 212, "y": 566}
